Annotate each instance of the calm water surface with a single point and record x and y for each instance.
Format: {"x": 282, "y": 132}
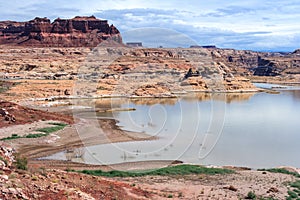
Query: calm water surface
{"x": 253, "y": 130}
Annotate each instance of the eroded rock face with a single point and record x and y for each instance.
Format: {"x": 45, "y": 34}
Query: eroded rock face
{"x": 75, "y": 32}
{"x": 158, "y": 73}
{"x": 244, "y": 62}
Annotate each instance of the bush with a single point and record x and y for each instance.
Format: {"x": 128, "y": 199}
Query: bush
{"x": 21, "y": 163}
{"x": 292, "y": 194}
{"x": 251, "y": 195}
{"x": 35, "y": 135}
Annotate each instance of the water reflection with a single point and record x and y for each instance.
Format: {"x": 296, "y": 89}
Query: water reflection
{"x": 108, "y": 103}
{"x": 296, "y": 94}
{"x": 228, "y": 97}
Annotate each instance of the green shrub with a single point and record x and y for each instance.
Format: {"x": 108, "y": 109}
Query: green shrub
{"x": 295, "y": 194}
{"x": 69, "y": 170}
{"x": 281, "y": 170}
{"x": 296, "y": 184}
{"x": 292, "y": 194}
{"x": 21, "y": 163}
{"x": 173, "y": 170}
{"x": 12, "y": 137}
{"x": 251, "y": 195}
{"x": 35, "y": 135}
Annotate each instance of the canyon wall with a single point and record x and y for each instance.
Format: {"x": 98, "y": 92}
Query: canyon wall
{"x": 75, "y": 32}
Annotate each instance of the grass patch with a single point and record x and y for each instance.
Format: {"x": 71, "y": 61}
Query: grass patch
{"x": 57, "y": 127}
{"x": 167, "y": 171}
{"x": 45, "y": 131}
{"x": 294, "y": 194}
{"x": 12, "y": 137}
{"x": 35, "y": 135}
{"x": 281, "y": 170}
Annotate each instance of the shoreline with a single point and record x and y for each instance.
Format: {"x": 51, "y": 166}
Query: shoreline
{"x": 180, "y": 95}
{"x": 69, "y": 138}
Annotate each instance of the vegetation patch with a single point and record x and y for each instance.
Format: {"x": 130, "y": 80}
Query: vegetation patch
{"x": 21, "y": 162}
{"x": 57, "y": 127}
{"x": 12, "y": 137}
{"x": 295, "y": 192}
{"x": 251, "y": 195}
{"x": 167, "y": 171}
{"x": 35, "y": 135}
{"x": 45, "y": 131}
{"x": 282, "y": 171}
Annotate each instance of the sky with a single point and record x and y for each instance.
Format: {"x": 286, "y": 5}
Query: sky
{"x": 269, "y": 25}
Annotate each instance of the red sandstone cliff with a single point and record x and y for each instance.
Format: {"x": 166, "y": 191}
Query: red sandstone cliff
{"x": 76, "y": 32}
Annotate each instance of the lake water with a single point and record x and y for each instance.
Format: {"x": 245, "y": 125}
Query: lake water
{"x": 258, "y": 130}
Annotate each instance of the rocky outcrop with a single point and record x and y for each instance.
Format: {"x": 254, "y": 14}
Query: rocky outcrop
{"x": 245, "y": 63}
{"x": 157, "y": 73}
{"x": 6, "y": 158}
{"x": 76, "y": 32}
{"x": 152, "y": 90}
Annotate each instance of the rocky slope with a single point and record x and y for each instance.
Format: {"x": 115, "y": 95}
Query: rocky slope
{"x": 75, "y": 32}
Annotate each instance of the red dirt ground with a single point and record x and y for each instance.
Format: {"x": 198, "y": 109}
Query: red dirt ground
{"x": 25, "y": 115}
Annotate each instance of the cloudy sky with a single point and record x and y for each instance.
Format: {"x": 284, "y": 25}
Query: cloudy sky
{"x": 249, "y": 24}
